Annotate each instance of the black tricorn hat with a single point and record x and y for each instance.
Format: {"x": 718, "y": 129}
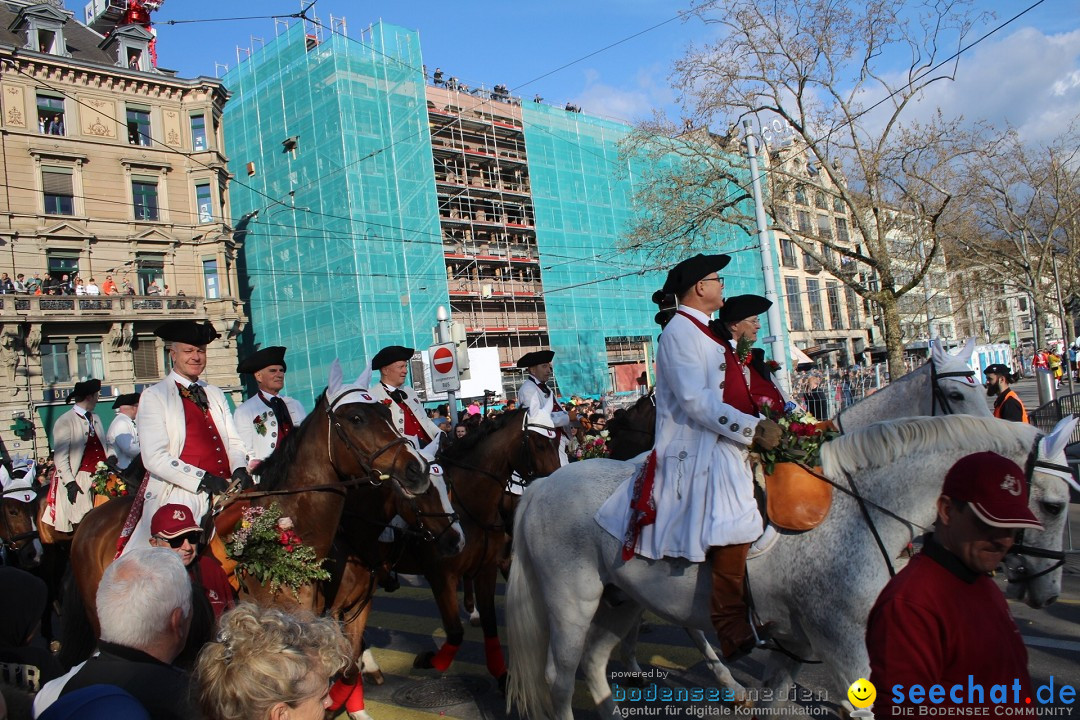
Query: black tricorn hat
{"x": 390, "y": 355}
{"x": 187, "y": 331}
{"x": 536, "y": 357}
{"x": 126, "y": 399}
{"x": 681, "y": 277}
{"x": 256, "y": 361}
{"x": 741, "y": 307}
{"x": 84, "y": 389}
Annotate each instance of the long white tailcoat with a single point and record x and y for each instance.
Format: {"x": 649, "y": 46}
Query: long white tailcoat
{"x": 532, "y": 397}
{"x": 259, "y": 446}
{"x": 124, "y": 440}
{"x": 162, "y": 431}
{"x": 704, "y": 485}
{"x": 70, "y": 433}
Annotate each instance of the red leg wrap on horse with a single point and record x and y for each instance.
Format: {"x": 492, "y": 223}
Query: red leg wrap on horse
{"x": 444, "y": 657}
{"x": 496, "y": 665}
{"x": 339, "y": 693}
{"x": 355, "y": 703}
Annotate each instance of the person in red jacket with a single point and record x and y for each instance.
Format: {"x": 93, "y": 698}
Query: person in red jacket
{"x": 173, "y": 526}
{"x": 942, "y": 623}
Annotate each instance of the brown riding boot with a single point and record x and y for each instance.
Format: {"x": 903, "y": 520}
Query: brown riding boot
{"x": 730, "y": 617}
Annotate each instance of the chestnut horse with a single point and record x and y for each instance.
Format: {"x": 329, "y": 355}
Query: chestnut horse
{"x": 631, "y": 430}
{"x": 347, "y": 438}
{"x": 477, "y": 470}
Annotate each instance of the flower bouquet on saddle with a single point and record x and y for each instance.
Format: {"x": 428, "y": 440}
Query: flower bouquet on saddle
{"x": 267, "y": 548}
{"x": 593, "y": 446}
{"x": 795, "y": 498}
{"x": 106, "y": 484}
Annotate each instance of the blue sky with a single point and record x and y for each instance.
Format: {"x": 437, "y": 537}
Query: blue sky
{"x": 1028, "y": 74}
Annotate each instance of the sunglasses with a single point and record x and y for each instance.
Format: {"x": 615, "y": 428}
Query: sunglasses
{"x": 192, "y": 538}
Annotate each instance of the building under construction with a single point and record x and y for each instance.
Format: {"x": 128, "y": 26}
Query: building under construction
{"x": 372, "y": 190}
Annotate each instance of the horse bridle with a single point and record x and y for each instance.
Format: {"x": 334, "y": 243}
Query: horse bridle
{"x": 938, "y": 395}
{"x": 1018, "y": 547}
{"x": 366, "y": 460}
{"x": 10, "y": 539}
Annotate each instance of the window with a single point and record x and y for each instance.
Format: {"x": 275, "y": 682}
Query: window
{"x": 783, "y": 216}
{"x": 54, "y": 363}
{"x": 824, "y": 227}
{"x": 810, "y": 263}
{"x": 842, "y": 230}
{"x": 787, "y": 249}
{"x": 832, "y": 293}
{"x": 838, "y": 205}
{"x": 210, "y": 277}
{"x": 91, "y": 359}
{"x": 145, "y": 196}
{"x": 50, "y": 115}
{"x": 57, "y": 187}
{"x": 794, "y": 304}
{"x": 852, "y": 307}
{"x": 813, "y": 297}
{"x": 204, "y": 202}
{"x": 47, "y": 41}
{"x": 145, "y": 356}
{"x": 134, "y": 58}
{"x": 804, "y": 222}
{"x": 61, "y": 263}
{"x": 151, "y": 270}
{"x": 800, "y": 195}
{"x": 198, "y": 132}
{"x": 138, "y": 125}
{"x": 819, "y": 201}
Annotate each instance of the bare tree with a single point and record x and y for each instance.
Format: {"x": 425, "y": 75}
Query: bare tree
{"x": 1020, "y": 211}
{"x": 817, "y": 66}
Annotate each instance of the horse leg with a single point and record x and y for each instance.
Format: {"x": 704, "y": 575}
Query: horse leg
{"x": 369, "y": 666}
{"x": 356, "y": 587}
{"x": 469, "y": 591}
{"x": 609, "y": 627}
{"x": 718, "y": 668}
{"x": 485, "y": 595}
{"x": 444, "y": 587}
{"x": 569, "y": 626}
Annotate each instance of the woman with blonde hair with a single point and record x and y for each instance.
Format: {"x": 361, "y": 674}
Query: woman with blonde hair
{"x": 267, "y": 664}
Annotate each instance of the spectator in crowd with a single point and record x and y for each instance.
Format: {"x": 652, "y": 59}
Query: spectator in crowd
{"x": 96, "y": 702}
{"x": 153, "y": 288}
{"x": 597, "y": 423}
{"x": 109, "y": 287}
{"x": 173, "y": 527}
{"x": 144, "y": 609}
{"x": 34, "y": 284}
{"x": 1007, "y": 404}
{"x": 437, "y": 77}
{"x": 460, "y": 431}
{"x": 7, "y": 287}
{"x": 446, "y": 426}
{"x": 92, "y": 288}
{"x": 267, "y": 664}
{"x": 20, "y": 623}
{"x": 20, "y": 284}
{"x": 80, "y": 288}
{"x": 165, "y": 290}
{"x": 1074, "y": 354}
{"x": 815, "y": 400}
{"x": 126, "y": 288}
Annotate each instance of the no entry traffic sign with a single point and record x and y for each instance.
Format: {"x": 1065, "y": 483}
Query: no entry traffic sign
{"x": 444, "y": 372}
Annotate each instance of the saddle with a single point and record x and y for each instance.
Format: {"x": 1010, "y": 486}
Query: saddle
{"x": 796, "y": 500}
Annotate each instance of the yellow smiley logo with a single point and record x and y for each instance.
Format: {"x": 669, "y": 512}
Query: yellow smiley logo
{"x": 862, "y": 693}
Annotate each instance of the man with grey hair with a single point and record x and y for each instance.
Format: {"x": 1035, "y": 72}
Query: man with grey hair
{"x": 139, "y": 640}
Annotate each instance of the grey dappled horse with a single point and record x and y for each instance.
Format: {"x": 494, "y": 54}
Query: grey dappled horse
{"x": 555, "y": 621}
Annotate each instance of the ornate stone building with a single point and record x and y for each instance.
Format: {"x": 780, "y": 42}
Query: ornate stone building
{"x": 114, "y": 174}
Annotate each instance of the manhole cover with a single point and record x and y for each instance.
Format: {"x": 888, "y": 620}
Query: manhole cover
{"x": 441, "y": 691}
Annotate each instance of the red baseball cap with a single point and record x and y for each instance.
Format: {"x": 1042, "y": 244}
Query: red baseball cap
{"x": 173, "y": 521}
{"x": 996, "y": 489}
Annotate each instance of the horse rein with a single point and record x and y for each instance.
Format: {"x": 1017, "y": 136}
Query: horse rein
{"x": 1019, "y": 548}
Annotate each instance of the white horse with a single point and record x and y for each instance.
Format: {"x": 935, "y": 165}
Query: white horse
{"x": 556, "y": 622}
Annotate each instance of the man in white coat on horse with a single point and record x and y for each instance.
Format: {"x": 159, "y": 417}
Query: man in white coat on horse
{"x": 190, "y": 446}
{"x": 408, "y": 414}
{"x": 79, "y": 444}
{"x": 267, "y": 417}
{"x": 123, "y": 434}
{"x": 535, "y": 395}
{"x": 706, "y": 421}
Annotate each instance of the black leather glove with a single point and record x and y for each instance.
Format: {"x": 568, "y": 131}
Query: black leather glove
{"x": 213, "y": 484}
{"x": 767, "y": 434}
{"x": 73, "y": 491}
{"x": 241, "y": 474}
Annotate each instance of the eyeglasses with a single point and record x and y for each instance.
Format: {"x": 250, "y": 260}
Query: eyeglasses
{"x": 176, "y": 543}
{"x": 715, "y": 279}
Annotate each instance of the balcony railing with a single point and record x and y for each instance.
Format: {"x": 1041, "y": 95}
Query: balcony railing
{"x": 82, "y": 306}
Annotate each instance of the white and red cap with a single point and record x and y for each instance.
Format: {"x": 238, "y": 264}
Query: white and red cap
{"x": 996, "y": 489}
{"x": 172, "y": 521}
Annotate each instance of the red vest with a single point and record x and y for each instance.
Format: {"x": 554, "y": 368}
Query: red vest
{"x": 736, "y": 393}
{"x": 412, "y": 425}
{"x": 764, "y": 392}
{"x": 203, "y": 446}
{"x": 92, "y": 455}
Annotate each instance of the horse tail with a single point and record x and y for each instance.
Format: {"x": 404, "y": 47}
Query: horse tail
{"x": 77, "y": 638}
{"x": 527, "y": 628}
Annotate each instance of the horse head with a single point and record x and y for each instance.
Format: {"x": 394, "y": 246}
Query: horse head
{"x": 362, "y": 439}
{"x": 18, "y": 529}
{"x": 630, "y": 431}
{"x": 432, "y": 518}
{"x": 1034, "y": 572}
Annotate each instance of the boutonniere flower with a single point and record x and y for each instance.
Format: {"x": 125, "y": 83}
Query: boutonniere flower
{"x": 260, "y": 424}
{"x": 773, "y": 366}
{"x": 742, "y": 350}
{"x": 386, "y": 401}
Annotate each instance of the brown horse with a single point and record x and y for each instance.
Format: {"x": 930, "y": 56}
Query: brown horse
{"x": 19, "y": 544}
{"x": 630, "y": 431}
{"x": 346, "y": 438}
{"x": 478, "y": 469}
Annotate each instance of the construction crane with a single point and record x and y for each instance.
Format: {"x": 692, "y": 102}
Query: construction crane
{"x": 107, "y": 15}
